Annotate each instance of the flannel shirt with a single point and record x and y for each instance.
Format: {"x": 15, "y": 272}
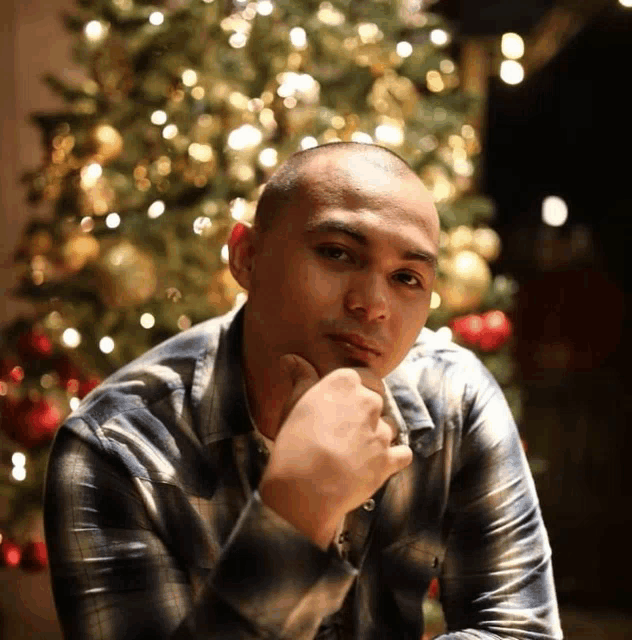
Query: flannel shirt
{"x": 155, "y": 528}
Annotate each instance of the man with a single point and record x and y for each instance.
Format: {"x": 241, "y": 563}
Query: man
{"x": 304, "y": 466}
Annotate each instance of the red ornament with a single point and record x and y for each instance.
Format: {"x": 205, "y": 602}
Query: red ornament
{"x": 33, "y": 423}
{"x": 496, "y": 330}
{"x": 468, "y": 329}
{"x": 88, "y": 384}
{"x": 11, "y": 371}
{"x": 35, "y": 343}
{"x": 34, "y": 556}
{"x": 10, "y": 554}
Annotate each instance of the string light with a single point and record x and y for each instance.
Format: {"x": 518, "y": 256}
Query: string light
{"x": 625, "y": 3}
{"x": 200, "y": 152}
{"x": 268, "y": 157}
{"x": 158, "y": 117}
{"x": 201, "y": 224}
{"x": 361, "y": 136}
{"x": 308, "y": 142}
{"x": 90, "y": 174}
{"x": 19, "y": 466}
{"x": 112, "y": 220}
{"x": 189, "y": 78}
{"x": 511, "y": 72}
{"x": 404, "y": 49}
{"x": 147, "y": 321}
{"x": 554, "y": 211}
{"x": 512, "y": 46}
{"x": 439, "y": 37}
{"x": 156, "y": 18}
{"x": 238, "y": 40}
{"x": 106, "y": 344}
{"x": 156, "y": 209}
{"x": 298, "y": 38}
{"x": 244, "y": 137}
{"x": 71, "y": 338}
{"x": 74, "y": 402}
{"x": 389, "y": 134}
{"x": 224, "y": 255}
{"x": 170, "y": 132}
{"x": 264, "y": 7}
{"x": 94, "y": 30}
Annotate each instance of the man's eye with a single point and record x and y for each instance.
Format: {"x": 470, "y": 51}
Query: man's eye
{"x": 334, "y": 253}
{"x": 409, "y": 279}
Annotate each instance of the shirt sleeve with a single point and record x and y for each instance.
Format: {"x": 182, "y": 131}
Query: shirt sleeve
{"x": 114, "y": 576}
{"x": 497, "y": 579}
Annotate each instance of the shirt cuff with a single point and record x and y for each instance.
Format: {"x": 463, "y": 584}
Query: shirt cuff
{"x": 276, "y": 577}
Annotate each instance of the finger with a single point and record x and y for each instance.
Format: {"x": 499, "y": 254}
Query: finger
{"x": 399, "y": 457}
{"x": 302, "y": 376}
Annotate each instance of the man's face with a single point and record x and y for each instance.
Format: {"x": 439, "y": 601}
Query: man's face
{"x": 344, "y": 278}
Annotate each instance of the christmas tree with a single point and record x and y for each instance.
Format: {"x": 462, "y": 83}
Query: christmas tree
{"x": 186, "y": 108}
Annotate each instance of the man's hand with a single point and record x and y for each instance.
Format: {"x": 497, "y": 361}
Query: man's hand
{"x": 333, "y": 450}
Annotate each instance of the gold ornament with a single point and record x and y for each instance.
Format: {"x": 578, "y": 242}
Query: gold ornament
{"x": 487, "y": 243}
{"x": 78, "y": 250}
{"x": 465, "y": 280}
{"x": 460, "y": 238}
{"x": 107, "y": 141}
{"x": 127, "y": 275}
{"x": 393, "y": 95}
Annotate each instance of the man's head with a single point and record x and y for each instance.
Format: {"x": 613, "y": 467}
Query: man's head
{"x": 340, "y": 263}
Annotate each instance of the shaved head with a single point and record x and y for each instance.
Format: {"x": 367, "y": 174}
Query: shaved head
{"x": 318, "y": 173}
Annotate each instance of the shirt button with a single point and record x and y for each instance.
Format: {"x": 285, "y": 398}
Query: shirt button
{"x": 369, "y": 505}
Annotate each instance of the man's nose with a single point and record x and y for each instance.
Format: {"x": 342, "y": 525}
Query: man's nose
{"x": 369, "y": 295}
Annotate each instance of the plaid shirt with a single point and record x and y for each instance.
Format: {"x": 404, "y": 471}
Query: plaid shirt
{"x": 155, "y": 528}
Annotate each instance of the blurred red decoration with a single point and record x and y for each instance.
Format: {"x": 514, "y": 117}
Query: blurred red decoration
{"x": 34, "y": 556}
{"x": 496, "y": 330}
{"x": 35, "y": 343}
{"x": 433, "y": 589}
{"x": 468, "y": 329}
{"x": 69, "y": 374}
{"x": 31, "y": 423}
{"x": 88, "y": 384}
{"x": 10, "y": 554}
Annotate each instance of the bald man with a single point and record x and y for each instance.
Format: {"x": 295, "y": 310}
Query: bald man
{"x": 304, "y": 466}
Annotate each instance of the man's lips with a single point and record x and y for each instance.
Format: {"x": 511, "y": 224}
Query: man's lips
{"x": 356, "y": 342}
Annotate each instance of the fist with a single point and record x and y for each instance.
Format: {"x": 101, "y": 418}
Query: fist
{"x": 333, "y": 449}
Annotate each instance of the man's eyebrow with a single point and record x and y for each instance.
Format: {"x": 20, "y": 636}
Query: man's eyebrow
{"x": 339, "y": 226}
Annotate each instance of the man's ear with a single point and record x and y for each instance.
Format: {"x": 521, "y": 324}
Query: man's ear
{"x": 241, "y": 252}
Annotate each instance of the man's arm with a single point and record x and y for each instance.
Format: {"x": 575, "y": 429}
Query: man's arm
{"x": 497, "y": 580}
{"x": 115, "y": 577}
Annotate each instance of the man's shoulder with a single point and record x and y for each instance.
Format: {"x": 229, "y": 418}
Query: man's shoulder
{"x": 168, "y": 368}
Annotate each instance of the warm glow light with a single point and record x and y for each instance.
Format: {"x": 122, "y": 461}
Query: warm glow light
{"x": 435, "y": 300}
{"x": 201, "y": 224}
{"x": 244, "y": 137}
{"x": 170, "y": 132}
{"x": 309, "y": 142}
{"x": 224, "y": 254}
{"x": 298, "y": 38}
{"x": 156, "y": 209}
{"x": 93, "y": 30}
{"x": 147, "y": 321}
{"x": 439, "y": 37}
{"x": 90, "y": 174}
{"x": 158, "y": 117}
{"x": 156, "y": 18}
{"x": 264, "y": 7}
{"x": 511, "y": 72}
{"x": 389, "y": 134}
{"x": 74, "y": 402}
{"x": 201, "y": 152}
{"x": 18, "y": 459}
{"x": 189, "y": 78}
{"x": 18, "y": 473}
{"x": 238, "y": 40}
{"x": 268, "y": 157}
{"x": 71, "y": 338}
{"x": 512, "y": 46}
{"x": 112, "y": 220}
{"x": 106, "y": 344}
{"x": 625, "y": 3}
{"x": 554, "y": 211}
{"x": 362, "y": 137}
{"x": 404, "y": 49}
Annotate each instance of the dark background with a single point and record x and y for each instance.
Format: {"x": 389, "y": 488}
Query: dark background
{"x": 565, "y": 131}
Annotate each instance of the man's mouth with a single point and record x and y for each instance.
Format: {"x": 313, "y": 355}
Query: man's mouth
{"x": 356, "y": 346}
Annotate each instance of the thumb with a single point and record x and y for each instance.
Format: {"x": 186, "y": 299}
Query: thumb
{"x": 301, "y": 375}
